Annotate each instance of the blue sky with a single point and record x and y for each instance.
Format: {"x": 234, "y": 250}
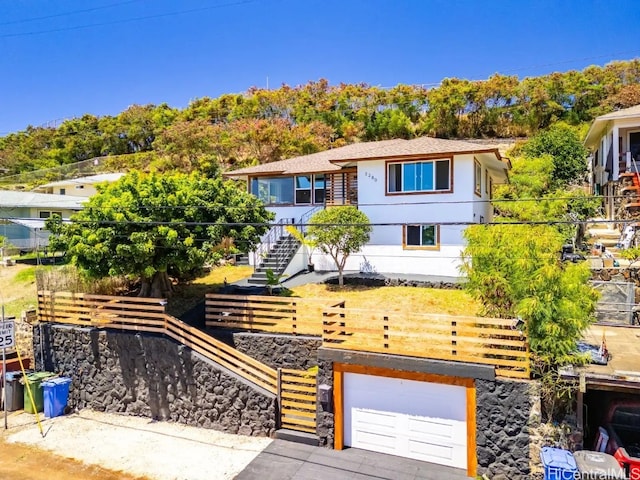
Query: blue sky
{"x": 61, "y": 59}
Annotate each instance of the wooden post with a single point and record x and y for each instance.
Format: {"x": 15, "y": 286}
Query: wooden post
{"x": 454, "y": 342}
{"x": 294, "y": 326}
{"x": 385, "y": 327}
{"x": 278, "y": 397}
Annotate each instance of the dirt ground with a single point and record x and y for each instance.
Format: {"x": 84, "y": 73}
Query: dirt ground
{"x": 89, "y": 445}
{"x": 23, "y": 462}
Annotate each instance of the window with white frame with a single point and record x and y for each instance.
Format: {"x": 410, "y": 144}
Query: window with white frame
{"x": 310, "y": 189}
{"x": 477, "y": 177}
{"x": 419, "y": 177}
{"x": 421, "y": 236}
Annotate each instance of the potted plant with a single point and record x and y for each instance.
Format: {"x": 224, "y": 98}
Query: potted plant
{"x": 308, "y": 242}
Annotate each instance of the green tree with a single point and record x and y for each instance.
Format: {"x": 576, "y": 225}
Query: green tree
{"x": 151, "y": 226}
{"x": 563, "y": 143}
{"x": 339, "y": 232}
{"x": 515, "y": 271}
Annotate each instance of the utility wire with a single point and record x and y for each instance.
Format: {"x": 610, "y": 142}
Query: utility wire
{"x": 127, "y": 20}
{"x": 65, "y": 14}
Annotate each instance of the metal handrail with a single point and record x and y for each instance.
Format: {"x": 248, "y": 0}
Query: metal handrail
{"x": 268, "y": 242}
{"x": 304, "y": 218}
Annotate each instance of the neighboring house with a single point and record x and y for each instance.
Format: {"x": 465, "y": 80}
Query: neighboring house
{"x": 614, "y": 142}
{"x": 23, "y": 215}
{"x": 419, "y": 194}
{"x": 79, "y": 187}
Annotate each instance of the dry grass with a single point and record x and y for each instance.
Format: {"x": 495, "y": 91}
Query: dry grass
{"x": 408, "y": 299}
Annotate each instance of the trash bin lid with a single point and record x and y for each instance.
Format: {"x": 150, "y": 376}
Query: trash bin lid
{"x": 598, "y": 465}
{"x": 10, "y": 376}
{"x": 56, "y": 381}
{"x": 558, "y": 458}
{"x": 38, "y": 376}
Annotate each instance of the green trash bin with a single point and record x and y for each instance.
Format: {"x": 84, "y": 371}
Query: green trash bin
{"x": 34, "y": 383}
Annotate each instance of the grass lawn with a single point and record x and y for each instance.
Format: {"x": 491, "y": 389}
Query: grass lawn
{"x": 409, "y": 299}
{"x": 18, "y": 289}
{"x": 18, "y": 292}
{"x": 188, "y": 295}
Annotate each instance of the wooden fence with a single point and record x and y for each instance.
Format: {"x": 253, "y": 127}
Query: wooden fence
{"x": 297, "y": 399}
{"x": 490, "y": 341}
{"x": 147, "y": 315}
{"x": 290, "y": 315}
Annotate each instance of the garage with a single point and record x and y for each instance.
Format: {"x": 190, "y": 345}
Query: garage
{"x": 408, "y": 414}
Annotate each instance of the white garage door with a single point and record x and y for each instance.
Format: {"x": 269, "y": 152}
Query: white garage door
{"x": 420, "y": 420}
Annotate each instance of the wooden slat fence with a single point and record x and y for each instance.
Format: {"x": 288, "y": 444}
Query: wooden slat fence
{"x": 289, "y": 315}
{"x": 297, "y": 393}
{"x": 147, "y": 315}
{"x": 490, "y": 341}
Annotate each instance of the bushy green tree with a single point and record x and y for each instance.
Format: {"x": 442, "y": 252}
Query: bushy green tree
{"x": 339, "y": 232}
{"x": 151, "y": 226}
{"x": 563, "y": 144}
{"x": 515, "y": 270}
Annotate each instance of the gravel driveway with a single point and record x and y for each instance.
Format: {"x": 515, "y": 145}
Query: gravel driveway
{"x": 158, "y": 450}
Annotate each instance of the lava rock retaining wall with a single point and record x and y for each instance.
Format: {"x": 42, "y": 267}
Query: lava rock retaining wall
{"x": 279, "y": 351}
{"x": 149, "y": 375}
{"x": 503, "y": 412}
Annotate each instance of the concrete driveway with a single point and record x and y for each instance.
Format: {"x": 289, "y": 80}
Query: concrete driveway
{"x": 283, "y": 460}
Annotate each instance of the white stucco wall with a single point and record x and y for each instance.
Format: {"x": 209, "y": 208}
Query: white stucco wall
{"x": 385, "y": 253}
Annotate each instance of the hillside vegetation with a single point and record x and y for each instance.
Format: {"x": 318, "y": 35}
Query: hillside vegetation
{"x": 267, "y": 125}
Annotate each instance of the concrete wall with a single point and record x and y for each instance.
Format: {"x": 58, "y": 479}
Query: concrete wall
{"x": 152, "y": 376}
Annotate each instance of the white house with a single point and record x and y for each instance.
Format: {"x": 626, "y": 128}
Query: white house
{"x": 419, "y": 194}
{"x": 79, "y": 187}
{"x": 23, "y": 216}
{"x": 614, "y": 142}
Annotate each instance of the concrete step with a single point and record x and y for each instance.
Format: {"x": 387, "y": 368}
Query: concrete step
{"x": 604, "y": 233}
{"x": 298, "y": 437}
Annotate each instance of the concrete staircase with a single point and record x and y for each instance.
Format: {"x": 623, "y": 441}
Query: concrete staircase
{"x": 276, "y": 260}
{"x": 605, "y": 234}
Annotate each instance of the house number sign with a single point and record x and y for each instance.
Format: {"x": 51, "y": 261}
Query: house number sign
{"x": 372, "y": 177}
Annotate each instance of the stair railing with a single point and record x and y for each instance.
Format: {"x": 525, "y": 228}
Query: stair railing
{"x": 268, "y": 242}
{"x": 304, "y": 218}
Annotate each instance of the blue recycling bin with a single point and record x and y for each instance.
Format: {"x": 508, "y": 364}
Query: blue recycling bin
{"x": 559, "y": 464}
{"x": 56, "y": 394}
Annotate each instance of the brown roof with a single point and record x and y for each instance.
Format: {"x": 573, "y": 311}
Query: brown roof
{"x": 325, "y": 161}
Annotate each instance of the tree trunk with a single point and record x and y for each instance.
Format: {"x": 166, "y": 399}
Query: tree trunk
{"x": 340, "y": 277}
{"x": 158, "y": 287}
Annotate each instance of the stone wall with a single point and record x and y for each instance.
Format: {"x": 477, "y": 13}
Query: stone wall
{"x": 279, "y": 351}
{"x": 376, "y": 280}
{"x": 503, "y": 415}
{"x": 148, "y": 375}
{"x": 324, "y": 414}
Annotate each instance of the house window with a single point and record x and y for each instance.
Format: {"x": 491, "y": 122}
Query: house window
{"x": 477, "y": 177}
{"x": 421, "y": 236}
{"x": 303, "y": 189}
{"x": 273, "y": 191}
{"x": 425, "y": 176}
{"x": 63, "y": 191}
{"x": 310, "y": 189}
{"x": 318, "y": 189}
{"x": 47, "y": 214}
